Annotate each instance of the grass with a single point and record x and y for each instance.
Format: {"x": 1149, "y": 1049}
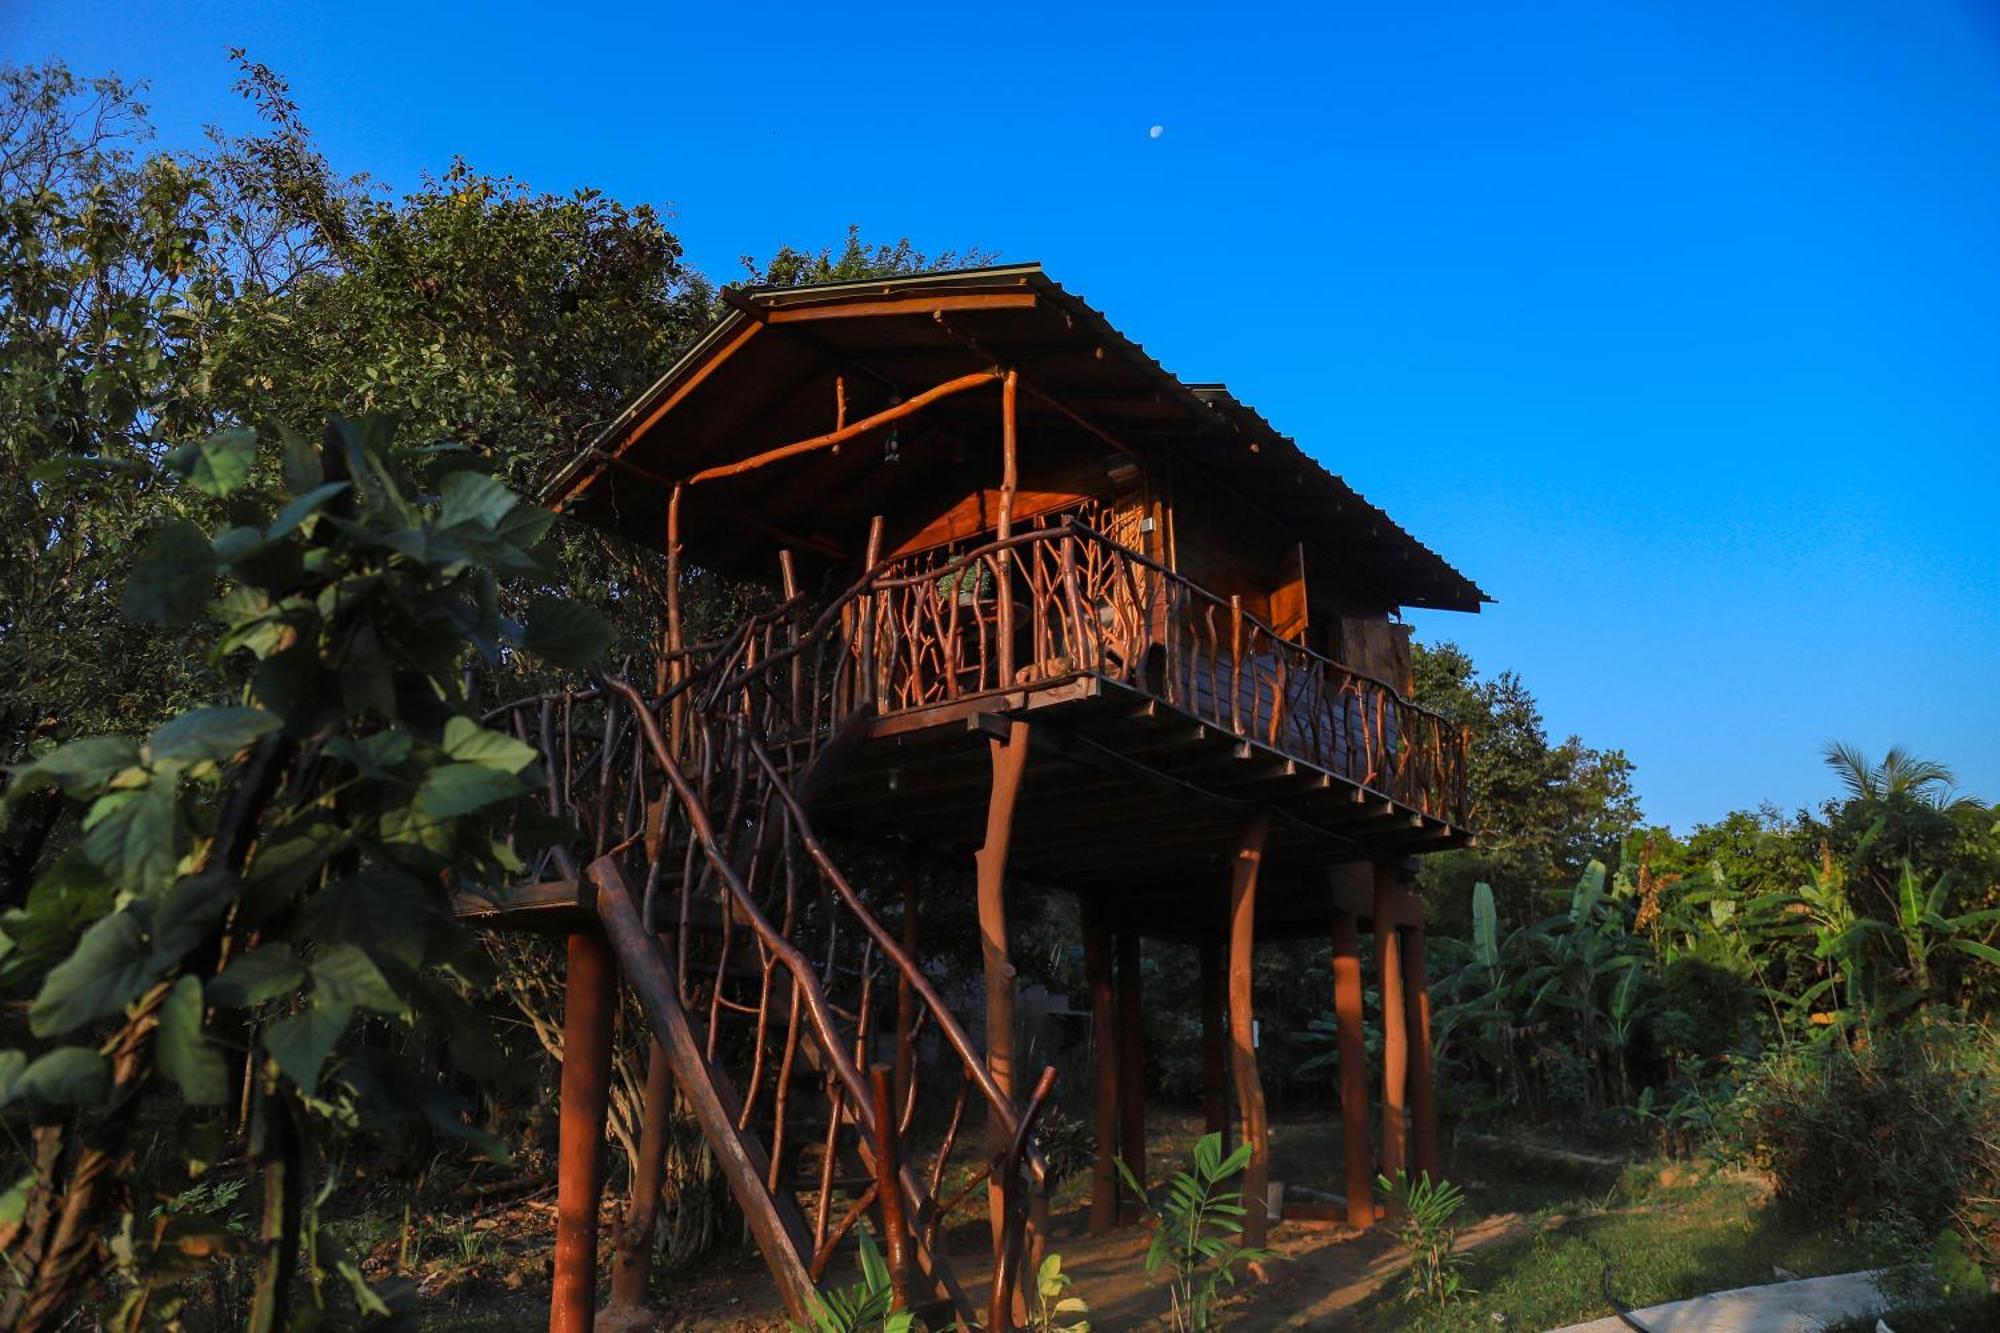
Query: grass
{"x": 1662, "y": 1242}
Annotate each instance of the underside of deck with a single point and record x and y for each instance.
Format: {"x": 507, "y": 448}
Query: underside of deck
{"x": 1132, "y": 803}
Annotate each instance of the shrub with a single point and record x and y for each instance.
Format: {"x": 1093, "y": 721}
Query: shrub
{"x": 1894, "y": 1137}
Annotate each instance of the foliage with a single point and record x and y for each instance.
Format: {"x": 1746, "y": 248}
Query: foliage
{"x": 1197, "y": 1230}
{"x": 1052, "y": 1310}
{"x": 1898, "y": 1134}
{"x": 861, "y": 1308}
{"x": 1424, "y": 1213}
{"x": 856, "y": 260}
{"x": 259, "y": 897}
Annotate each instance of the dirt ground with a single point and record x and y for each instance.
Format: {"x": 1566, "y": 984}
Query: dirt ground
{"x": 1322, "y": 1272}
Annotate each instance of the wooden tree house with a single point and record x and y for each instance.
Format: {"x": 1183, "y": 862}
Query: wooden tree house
{"x": 1039, "y": 604}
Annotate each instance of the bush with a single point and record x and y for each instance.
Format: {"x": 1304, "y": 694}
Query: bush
{"x": 1894, "y": 1137}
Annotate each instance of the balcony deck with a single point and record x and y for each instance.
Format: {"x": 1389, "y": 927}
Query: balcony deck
{"x": 1162, "y": 716}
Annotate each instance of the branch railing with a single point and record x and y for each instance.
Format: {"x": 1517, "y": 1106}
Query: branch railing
{"x": 1080, "y": 602}
{"x": 786, "y": 973}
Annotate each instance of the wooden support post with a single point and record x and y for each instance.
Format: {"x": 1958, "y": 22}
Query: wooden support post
{"x": 1131, "y": 1058}
{"x": 1010, "y": 765}
{"x": 1214, "y": 1043}
{"x": 1357, "y": 1147}
{"x": 1395, "y": 1029}
{"x": 1104, "y": 1052}
{"x": 906, "y": 997}
{"x": 632, "y": 1263}
{"x": 590, "y": 998}
{"x": 1243, "y": 1026}
{"x": 1423, "y": 1078}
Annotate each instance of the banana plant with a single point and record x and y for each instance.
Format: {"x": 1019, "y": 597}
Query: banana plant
{"x": 1924, "y": 930}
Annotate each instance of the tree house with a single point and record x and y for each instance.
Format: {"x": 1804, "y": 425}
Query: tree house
{"x": 1041, "y": 605}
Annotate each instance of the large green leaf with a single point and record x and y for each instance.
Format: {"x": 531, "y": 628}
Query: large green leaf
{"x": 217, "y": 465}
{"x": 111, "y": 967}
{"x": 80, "y": 768}
{"x": 344, "y": 974}
{"x": 468, "y": 742}
{"x": 473, "y": 497}
{"x": 210, "y": 733}
{"x": 300, "y": 461}
{"x": 66, "y": 1076}
{"x": 1485, "y": 925}
{"x": 454, "y": 789}
{"x": 566, "y": 633}
{"x": 301, "y": 1042}
{"x": 131, "y": 835}
{"x": 293, "y": 516}
{"x": 268, "y": 971}
{"x": 184, "y": 1053}
{"x": 174, "y": 578}
{"x": 374, "y": 754}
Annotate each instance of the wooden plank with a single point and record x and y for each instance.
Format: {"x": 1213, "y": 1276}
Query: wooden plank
{"x": 552, "y": 904}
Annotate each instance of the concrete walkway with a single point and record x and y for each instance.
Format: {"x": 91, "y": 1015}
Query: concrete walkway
{"x": 1783, "y": 1307}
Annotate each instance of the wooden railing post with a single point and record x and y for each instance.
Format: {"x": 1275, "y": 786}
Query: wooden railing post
{"x": 1009, "y": 480}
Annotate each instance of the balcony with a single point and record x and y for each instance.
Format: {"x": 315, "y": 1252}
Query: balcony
{"x": 1063, "y": 601}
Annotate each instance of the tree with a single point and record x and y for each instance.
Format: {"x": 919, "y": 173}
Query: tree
{"x": 855, "y": 261}
{"x": 1543, "y": 811}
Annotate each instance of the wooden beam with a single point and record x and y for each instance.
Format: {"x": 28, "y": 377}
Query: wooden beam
{"x": 885, "y": 417}
{"x": 590, "y": 999}
{"x": 666, "y": 405}
{"x": 1243, "y": 1027}
{"x": 1009, "y": 759}
{"x": 1356, "y": 1150}
{"x": 1131, "y": 1057}
{"x": 909, "y": 305}
{"x": 1395, "y": 1029}
{"x": 1104, "y": 1064}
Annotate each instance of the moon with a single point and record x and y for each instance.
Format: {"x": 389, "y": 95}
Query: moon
{"x": 1156, "y": 131}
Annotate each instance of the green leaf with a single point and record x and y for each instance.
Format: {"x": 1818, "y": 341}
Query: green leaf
{"x": 300, "y": 460}
{"x": 566, "y": 633}
{"x": 210, "y": 733}
{"x": 175, "y": 575}
{"x": 11, "y": 1065}
{"x": 188, "y": 914}
{"x": 184, "y": 1054}
{"x": 131, "y": 835}
{"x": 301, "y": 1042}
{"x": 218, "y": 465}
{"x": 66, "y": 1076}
{"x": 467, "y": 741}
{"x": 79, "y": 768}
{"x": 293, "y": 516}
{"x": 266, "y": 972}
{"x": 111, "y": 967}
{"x": 457, "y": 789}
{"x": 374, "y": 754}
{"x": 346, "y": 975}
{"x": 473, "y": 497}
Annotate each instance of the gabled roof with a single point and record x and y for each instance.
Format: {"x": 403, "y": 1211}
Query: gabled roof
{"x": 763, "y": 376}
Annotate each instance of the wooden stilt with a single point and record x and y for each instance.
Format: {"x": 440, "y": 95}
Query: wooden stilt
{"x": 1357, "y": 1148}
{"x": 1423, "y": 1081}
{"x": 1242, "y": 1026}
{"x": 1010, "y": 764}
{"x": 1395, "y": 1029}
{"x": 1131, "y": 1057}
{"x": 590, "y": 995}
{"x": 1214, "y": 1043}
{"x": 1104, "y": 1051}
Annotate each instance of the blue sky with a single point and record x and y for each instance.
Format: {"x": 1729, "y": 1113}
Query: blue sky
{"x": 1675, "y": 325}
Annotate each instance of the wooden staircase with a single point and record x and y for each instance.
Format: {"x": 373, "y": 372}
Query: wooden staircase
{"x": 776, "y": 993}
